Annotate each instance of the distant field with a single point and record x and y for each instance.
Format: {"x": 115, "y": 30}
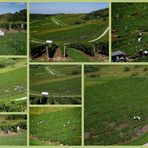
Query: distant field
{"x": 55, "y": 126}
{"x": 113, "y": 96}
{"x": 13, "y": 44}
{"x": 63, "y": 83}
{"x": 13, "y": 77}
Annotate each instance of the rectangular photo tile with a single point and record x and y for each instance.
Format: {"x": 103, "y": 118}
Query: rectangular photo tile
{"x": 13, "y": 85}
{"x": 129, "y": 32}
{"x": 13, "y": 130}
{"x": 69, "y": 32}
{"x": 55, "y": 84}
{"x": 13, "y": 28}
{"x": 53, "y": 126}
{"x": 116, "y": 105}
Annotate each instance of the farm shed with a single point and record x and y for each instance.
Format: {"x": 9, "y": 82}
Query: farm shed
{"x": 118, "y": 56}
{"x": 2, "y": 33}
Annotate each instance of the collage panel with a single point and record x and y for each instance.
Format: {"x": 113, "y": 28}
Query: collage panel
{"x": 13, "y": 85}
{"x": 129, "y": 32}
{"x": 13, "y": 130}
{"x": 116, "y": 105}
{"x": 55, "y": 84}
{"x": 69, "y": 31}
{"x": 13, "y": 28}
{"x": 55, "y": 126}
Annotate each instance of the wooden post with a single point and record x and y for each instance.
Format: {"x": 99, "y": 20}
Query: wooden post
{"x": 10, "y": 25}
{"x": 47, "y": 52}
{"x": 64, "y": 51}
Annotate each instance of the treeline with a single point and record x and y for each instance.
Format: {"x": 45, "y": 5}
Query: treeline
{"x": 42, "y": 16}
{"x": 97, "y": 14}
{"x": 19, "y": 16}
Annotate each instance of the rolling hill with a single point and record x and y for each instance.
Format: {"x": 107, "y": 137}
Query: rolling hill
{"x": 76, "y": 31}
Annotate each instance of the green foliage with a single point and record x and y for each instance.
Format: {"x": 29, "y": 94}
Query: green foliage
{"x": 126, "y": 26}
{"x": 13, "y": 44}
{"x": 90, "y": 68}
{"x": 37, "y": 49}
{"x": 115, "y": 100}
{"x": 85, "y": 47}
{"x": 54, "y": 121}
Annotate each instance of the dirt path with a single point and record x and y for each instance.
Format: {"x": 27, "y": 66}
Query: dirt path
{"x": 45, "y": 142}
{"x": 49, "y": 71}
{"x": 58, "y": 55}
{"x": 107, "y": 29}
{"x": 54, "y": 21}
{"x": 8, "y": 134}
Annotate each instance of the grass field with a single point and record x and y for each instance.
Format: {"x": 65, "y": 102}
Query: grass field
{"x": 13, "y": 78}
{"x": 8, "y": 133}
{"x": 55, "y": 126}
{"x": 66, "y": 29}
{"x": 63, "y": 83}
{"x": 113, "y": 96}
{"x": 127, "y": 26}
{"x": 13, "y": 44}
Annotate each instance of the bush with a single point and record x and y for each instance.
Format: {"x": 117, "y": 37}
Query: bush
{"x": 102, "y": 48}
{"x": 90, "y": 68}
{"x": 14, "y": 106}
{"x": 37, "y": 49}
{"x": 84, "y": 47}
{"x": 52, "y": 50}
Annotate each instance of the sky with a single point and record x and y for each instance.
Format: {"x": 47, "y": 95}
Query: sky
{"x": 65, "y": 7}
{"x": 11, "y": 7}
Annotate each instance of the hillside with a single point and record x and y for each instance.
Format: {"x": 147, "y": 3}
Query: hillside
{"x": 77, "y": 31}
{"x": 126, "y": 26}
{"x": 13, "y": 85}
{"x": 118, "y": 95}
{"x": 20, "y": 16}
{"x": 63, "y": 124}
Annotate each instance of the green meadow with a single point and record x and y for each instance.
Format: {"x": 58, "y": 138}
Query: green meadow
{"x": 55, "y": 126}
{"x": 114, "y": 96}
{"x": 13, "y": 78}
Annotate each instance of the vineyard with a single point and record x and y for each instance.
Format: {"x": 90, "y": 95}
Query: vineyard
{"x": 118, "y": 96}
{"x": 14, "y": 38}
{"x": 13, "y": 92}
{"x": 63, "y": 124}
{"x": 55, "y": 84}
{"x": 13, "y": 44}
{"x": 126, "y": 27}
{"x": 73, "y": 34}
{"x": 9, "y": 132}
